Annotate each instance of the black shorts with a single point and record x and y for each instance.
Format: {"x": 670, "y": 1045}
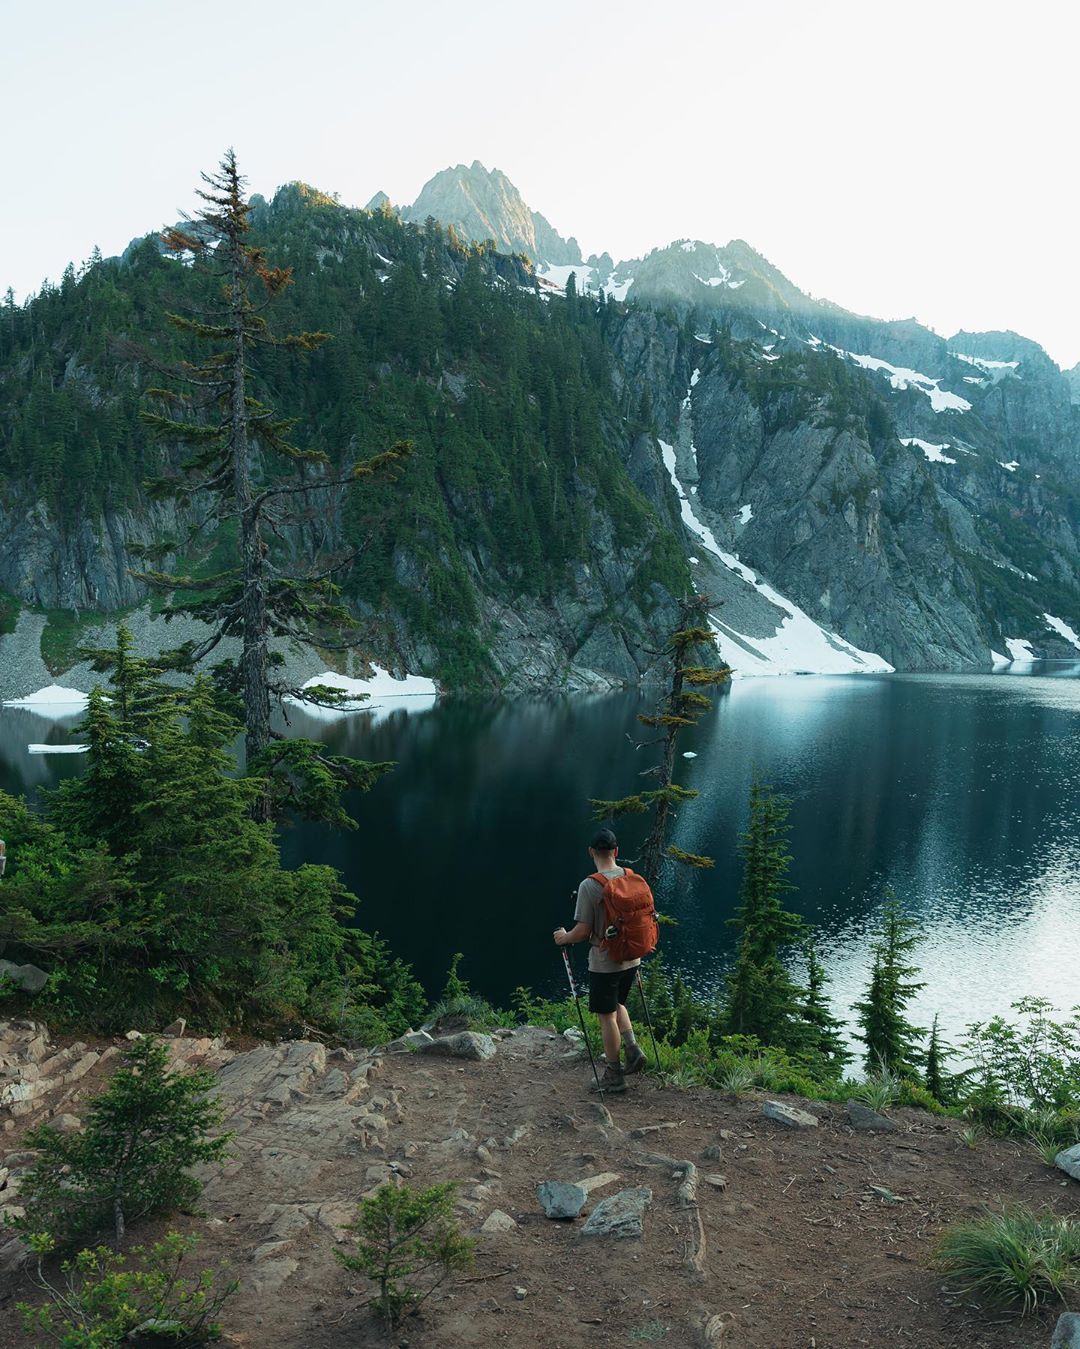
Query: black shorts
{"x": 608, "y": 990}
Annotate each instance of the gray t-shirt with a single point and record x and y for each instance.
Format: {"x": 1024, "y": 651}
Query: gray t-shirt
{"x": 590, "y": 909}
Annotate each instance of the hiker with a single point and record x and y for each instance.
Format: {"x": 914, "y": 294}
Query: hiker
{"x": 607, "y": 931}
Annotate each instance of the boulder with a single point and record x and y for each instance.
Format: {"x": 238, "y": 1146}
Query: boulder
{"x": 560, "y": 1200}
{"x": 26, "y": 978}
{"x": 864, "y": 1119}
{"x": 66, "y": 1124}
{"x": 1069, "y": 1161}
{"x": 498, "y": 1221}
{"x": 788, "y": 1115}
{"x": 466, "y": 1044}
{"x": 412, "y": 1039}
{"x": 619, "y": 1216}
{"x": 1067, "y": 1331}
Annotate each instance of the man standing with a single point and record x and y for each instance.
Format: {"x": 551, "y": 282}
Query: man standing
{"x": 610, "y": 981}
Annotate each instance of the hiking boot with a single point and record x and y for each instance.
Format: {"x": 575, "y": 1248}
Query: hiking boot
{"x": 635, "y": 1058}
{"x": 611, "y": 1079}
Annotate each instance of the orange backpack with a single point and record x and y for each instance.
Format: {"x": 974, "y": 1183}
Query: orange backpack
{"x": 631, "y": 930}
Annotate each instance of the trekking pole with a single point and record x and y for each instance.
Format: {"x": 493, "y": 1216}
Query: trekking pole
{"x": 648, "y": 1018}
{"x": 581, "y": 1018}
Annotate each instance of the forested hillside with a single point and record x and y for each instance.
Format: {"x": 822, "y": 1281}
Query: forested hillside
{"x": 515, "y": 503}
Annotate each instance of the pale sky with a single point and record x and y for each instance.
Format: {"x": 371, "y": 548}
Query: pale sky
{"x": 904, "y": 159}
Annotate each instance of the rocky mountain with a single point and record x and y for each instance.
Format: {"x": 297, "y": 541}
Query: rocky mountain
{"x": 484, "y": 204}
{"x": 854, "y": 494}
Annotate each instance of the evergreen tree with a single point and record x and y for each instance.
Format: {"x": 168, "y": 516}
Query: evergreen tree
{"x": 890, "y": 1039}
{"x": 934, "y": 1072}
{"x": 681, "y": 706}
{"x": 825, "y": 1037}
{"x": 217, "y": 414}
{"x": 132, "y": 1159}
{"x": 762, "y": 998}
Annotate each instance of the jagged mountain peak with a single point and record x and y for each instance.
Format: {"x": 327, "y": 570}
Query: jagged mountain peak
{"x": 483, "y": 203}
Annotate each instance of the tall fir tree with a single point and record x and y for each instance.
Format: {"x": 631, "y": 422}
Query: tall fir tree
{"x": 682, "y": 705}
{"x": 890, "y": 1040}
{"x": 213, "y": 408}
{"x": 825, "y": 1032}
{"x": 762, "y": 998}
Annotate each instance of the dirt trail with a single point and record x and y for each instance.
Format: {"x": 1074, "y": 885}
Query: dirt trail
{"x": 816, "y": 1238}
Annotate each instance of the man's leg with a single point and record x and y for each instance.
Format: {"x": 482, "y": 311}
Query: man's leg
{"x": 610, "y": 1029}
{"x": 603, "y": 1001}
{"x": 635, "y": 1056}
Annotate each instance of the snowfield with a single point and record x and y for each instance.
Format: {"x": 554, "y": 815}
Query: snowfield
{"x": 1062, "y": 628}
{"x": 799, "y": 645}
{"x": 935, "y": 453}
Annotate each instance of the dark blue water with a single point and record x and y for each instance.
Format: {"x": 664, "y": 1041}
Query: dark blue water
{"x": 960, "y": 793}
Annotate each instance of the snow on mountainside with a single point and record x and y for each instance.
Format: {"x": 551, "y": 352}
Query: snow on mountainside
{"x": 789, "y": 641}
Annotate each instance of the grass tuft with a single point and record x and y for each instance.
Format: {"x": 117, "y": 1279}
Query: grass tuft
{"x": 1014, "y": 1258}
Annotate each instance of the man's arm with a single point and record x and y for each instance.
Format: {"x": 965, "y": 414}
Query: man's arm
{"x": 579, "y": 932}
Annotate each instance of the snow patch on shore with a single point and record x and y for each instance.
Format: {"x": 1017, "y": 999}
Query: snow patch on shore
{"x": 1020, "y": 650}
{"x": 382, "y": 694}
{"x": 53, "y": 702}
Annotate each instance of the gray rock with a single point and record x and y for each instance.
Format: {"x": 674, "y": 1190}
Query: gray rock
{"x": 619, "y": 1216}
{"x": 27, "y": 978}
{"x": 788, "y": 1115}
{"x": 66, "y": 1124}
{"x": 498, "y": 1221}
{"x": 467, "y": 1044}
{"x": 561, "y": 1200}
{"x": 1069, "y": 1161}
{"x": 412, "y": 1039}
{"x": 1067, "y": 1331}
{"x": 712, "y": 1153}
{"x": 864, "y": 1119}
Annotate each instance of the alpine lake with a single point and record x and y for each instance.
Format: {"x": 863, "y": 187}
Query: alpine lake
{"x": 960, "y": 794}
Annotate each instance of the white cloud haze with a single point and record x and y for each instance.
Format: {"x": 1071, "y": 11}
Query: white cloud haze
{"x": 902, "y": 158}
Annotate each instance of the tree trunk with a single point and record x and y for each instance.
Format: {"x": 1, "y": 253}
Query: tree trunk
{"x": 253, "y": 657}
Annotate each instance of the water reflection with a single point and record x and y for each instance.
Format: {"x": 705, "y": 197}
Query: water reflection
{"x": 957, "y": 792}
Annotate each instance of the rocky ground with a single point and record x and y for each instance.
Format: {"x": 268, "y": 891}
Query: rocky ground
{"x": 729, "y": 1228}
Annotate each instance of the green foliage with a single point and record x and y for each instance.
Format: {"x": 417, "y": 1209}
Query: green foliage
{"x": 130, "y": 1161}
{"x": 890, "y": 1039}
{"x": 105, "y": 1296}
{"x": 1034, "y": 1060}
{"x": 1015, "y": 1258}
{"x": 824, "y": 1034}
{"x": 762, "y": 999}
{"x": 61, "y": 635}
{"x": 150, "y": 892}
{"x": 881, "y": 1089}
{"x": 407, "y": 1243}
{"x": 460, "y": 1005}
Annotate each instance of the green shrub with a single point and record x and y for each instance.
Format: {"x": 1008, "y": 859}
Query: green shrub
{"x": 105, "y": 1297}
{"x": 1014, "y": 1258}
{"x": 407, "y": 1242}
{"x": 460, "y": 1004}
{"x": 1034, "y": 1060}
{"x": 142, "y": 1133}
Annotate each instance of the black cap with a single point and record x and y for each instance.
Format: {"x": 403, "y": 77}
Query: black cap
{"x": 604, "y": 841}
